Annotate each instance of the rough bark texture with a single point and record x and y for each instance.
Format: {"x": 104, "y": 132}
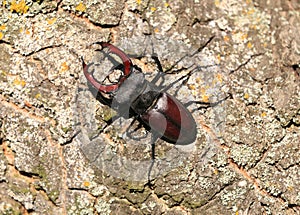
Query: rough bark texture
{"x": 244, "y": 57}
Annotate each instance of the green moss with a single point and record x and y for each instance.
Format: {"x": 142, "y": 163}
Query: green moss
{"x": 108, "y": 114}
{"x": 66, "y": 129}
{"x": 137, "y": 187}
{"x": 53, "y": 195}
{"x": 3, "y": 75}
{"x": 197, "y": 204}
{"x": 16, "y": 188}
{"x": 41, "y": 171}
{"x": 11, "y": 211}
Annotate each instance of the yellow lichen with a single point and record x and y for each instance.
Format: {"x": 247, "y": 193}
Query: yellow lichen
{"x": 153, "y": 9}
{"x": 64, "y": 67}
{"x": 1, "y": 35}
{"x": 19, "y": 82}
{"x": 217, "y": 3}
{"x": 205, "y": 98}
{"x": 51, "y": 21}
{"x": 244, "y": 36}
{"x": 251, "y": 11}
{"x": 226, "y": 38}
{"x": 138, "y": 1}
{"x": 2, "y": 27}
{"x": 38, "y": 95}
{"x": 263, "y": 114}
{"x": 80, "y": 7}
{"x": 192, "y": 86}
{"x": 27, "y": 32}
{"x": 219, "y": 77}
{"x": 249, "y": 45}
{"x": 219, "y": 57}
{"x": 20, "y": 7}
{"x": 246, "y": 96}
{"x": 86, "y": 183}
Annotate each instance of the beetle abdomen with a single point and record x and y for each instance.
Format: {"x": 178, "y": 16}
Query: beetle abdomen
{"x": 171, "y": 119}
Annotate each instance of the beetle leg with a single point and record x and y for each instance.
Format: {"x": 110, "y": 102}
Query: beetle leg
{"x": 205, "y": 105}
{"x": 108, "y": 123}
{"x": 154, "y": 137}
{"x": 161, "y": 73}
{"x": 129, "y": 133}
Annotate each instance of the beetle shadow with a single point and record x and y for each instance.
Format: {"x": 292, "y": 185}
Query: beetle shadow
{"x": 161, "y": 75}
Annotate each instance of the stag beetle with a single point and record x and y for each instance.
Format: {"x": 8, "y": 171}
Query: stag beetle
{"x": 161, "y": 112}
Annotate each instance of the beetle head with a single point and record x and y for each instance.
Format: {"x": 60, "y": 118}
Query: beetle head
{"x": 145, "y": 101}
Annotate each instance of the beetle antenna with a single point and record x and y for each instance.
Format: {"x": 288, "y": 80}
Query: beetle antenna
{"x": 161, "y": 73}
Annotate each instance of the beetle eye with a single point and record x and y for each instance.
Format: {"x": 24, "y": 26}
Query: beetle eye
{"x": 148, "y": 98}
{"x": 143, "y": 101}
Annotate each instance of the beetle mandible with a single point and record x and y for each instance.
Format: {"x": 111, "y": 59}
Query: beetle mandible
{"x": 160, "y": 111}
